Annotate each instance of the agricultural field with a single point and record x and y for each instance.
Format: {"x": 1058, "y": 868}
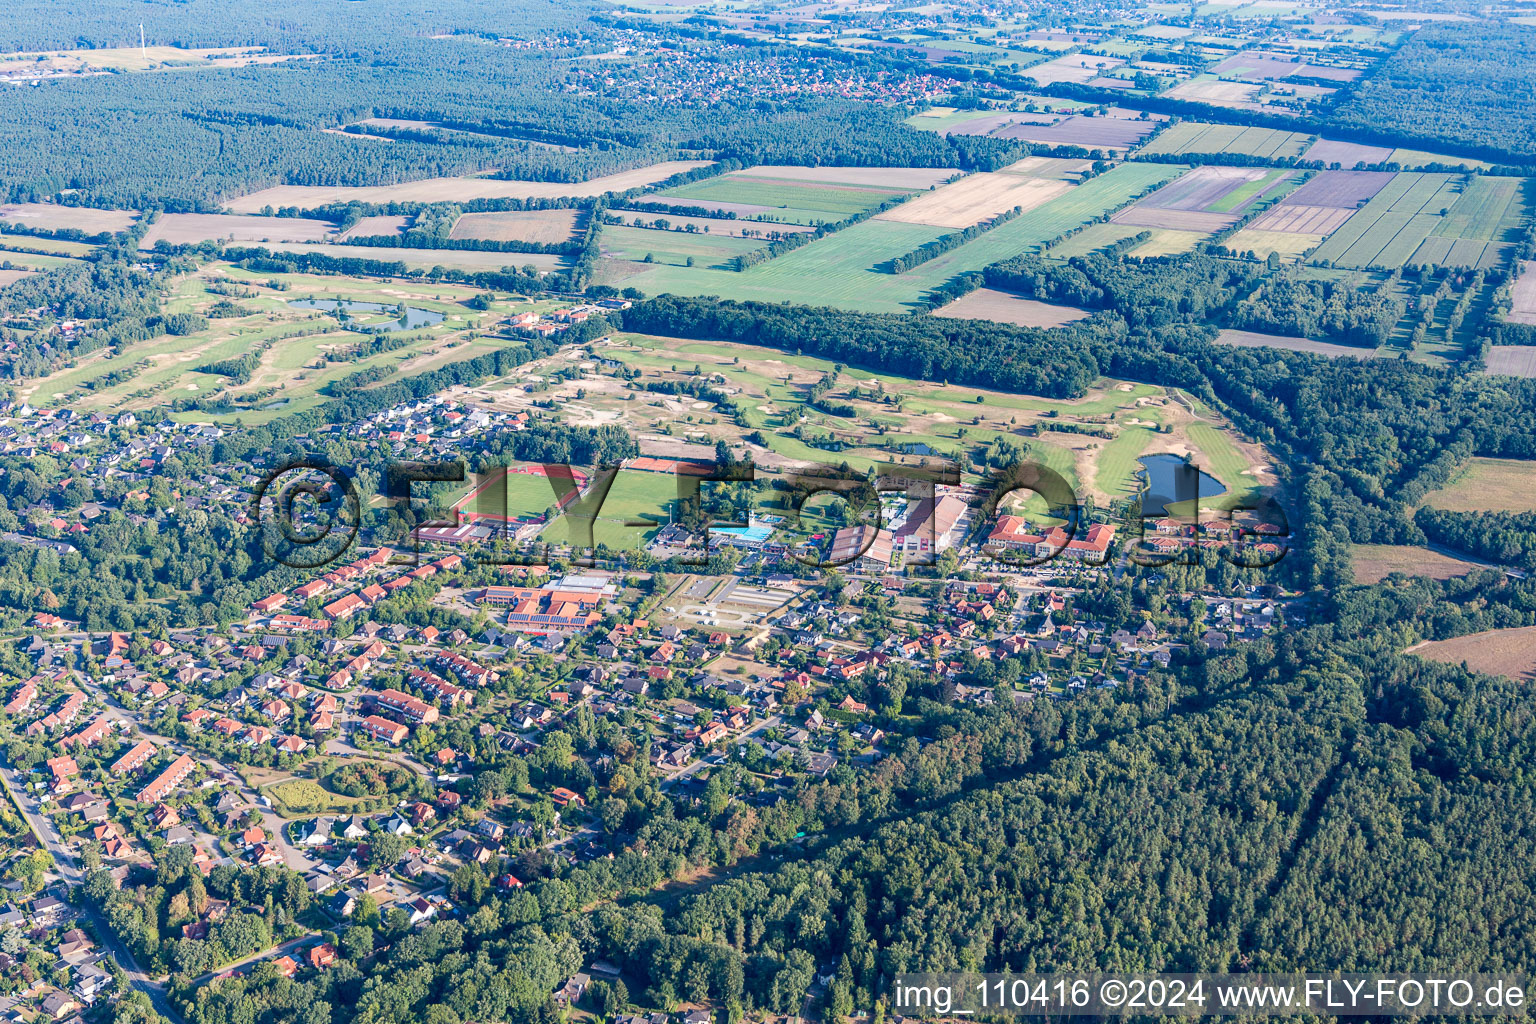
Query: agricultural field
{"x": 468, "y": 260}
{"x": 1481, "y": 226}
{"x": 1164, "y": 241}
{"x": 1304, "y": 218}
{"x": 550, "y": 226}
{"x": 1346, "y": 154}
{"x": 803, "y": 195}
{"x": 455, "y": 190}
{"x": 712, "y": 226}
{"x": 1207, "y": 199}
{"x": 1512, "y": 360}
{"x": 1523, "y": 295}
{"x": 370, "y": 227}
{"x": 20, "y": 259}
{"x": 1256, "y": 339}
{"x": 975, "y": 198}
{"x": 193, "y": 228}
{"x": 1375, "y": 562}
{"x": 1119, "y": 130}
{"x": 1006, "y": 308}
{"x": 1078, "y": 68}
{"x": 1497, "y": 652}
{"x": 1291, "y": 245}
{"x": 1218, "y": 92}
{"x": 845, "y": 269}
{"x": 54, "y": 217}
{"x": 1265, "y": 66}
{"x": 10, "y": 275}
{"x": 134, "y": 58}
{"x": 1420, "y": 218}
{"x": 1196, "y": 137}
{"x": 1488, "y": 485}
{"x": 675, "y": 248}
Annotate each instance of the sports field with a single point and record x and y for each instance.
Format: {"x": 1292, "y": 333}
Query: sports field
{"x": 773, "y": 400}
{"x": 635, "y": 497}
{"x": 299, "y": 351}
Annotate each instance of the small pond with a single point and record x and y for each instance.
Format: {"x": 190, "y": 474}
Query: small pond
{"x": 414, "y": 316}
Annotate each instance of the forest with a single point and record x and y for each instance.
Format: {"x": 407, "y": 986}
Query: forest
{"x": 1468, "y": 82}
{"x": 190, "y": 141}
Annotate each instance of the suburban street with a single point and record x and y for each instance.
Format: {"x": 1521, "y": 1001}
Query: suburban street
{"x": 68, "y": 870}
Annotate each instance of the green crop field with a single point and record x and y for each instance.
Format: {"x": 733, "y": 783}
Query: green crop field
{"x": 675, "y": 247}
{"x": 843, "y": 269}
{"x": 1392, "y": 226}
{"x": 1240, "y": 195}
{"x": 1477, "y": 232}
{"x": 792, "y": 202}
{"x": 32, "y": 260}
{"x": 1193, "y": 137}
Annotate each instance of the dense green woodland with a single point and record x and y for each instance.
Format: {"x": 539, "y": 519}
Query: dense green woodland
{"x": 1470, "y": 83}
{"x": 193, "y": 139}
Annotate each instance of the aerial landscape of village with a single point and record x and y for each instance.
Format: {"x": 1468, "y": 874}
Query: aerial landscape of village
{"x": 697, "y": 511}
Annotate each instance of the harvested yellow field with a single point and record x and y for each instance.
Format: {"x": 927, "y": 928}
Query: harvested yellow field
{"x": 1048, "y": 166}
{"x": 1166, "y": 242}
{"x": 54, "y": 217}
{"x": 454, "y": 190}
{"x": 370, "y": 227}
{"x": 1497, "y": 652}
{"x": 1289, "y": 244}
{"x": 975, "y": 198}
{"x": 191, "y": 228}
{"x": 518, "y": 226}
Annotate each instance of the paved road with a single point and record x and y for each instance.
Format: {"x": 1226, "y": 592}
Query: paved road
{"x": 68, "y": 869}
{"x": 701, "y": 763}
{"x": 290, "y": 947}
{"x": 292, "y": 856}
